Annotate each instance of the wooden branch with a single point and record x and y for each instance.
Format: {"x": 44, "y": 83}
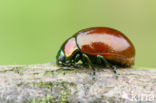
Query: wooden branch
{"x": 48, "y": 83}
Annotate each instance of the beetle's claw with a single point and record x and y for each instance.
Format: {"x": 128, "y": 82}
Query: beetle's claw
{"x": 116, "y": 75}
{"x": 94, "y": 75}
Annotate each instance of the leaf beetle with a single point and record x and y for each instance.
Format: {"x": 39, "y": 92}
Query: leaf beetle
{"x": 97, "y": 46}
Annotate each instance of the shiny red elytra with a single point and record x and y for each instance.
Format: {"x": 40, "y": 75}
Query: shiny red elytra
{"x": 97, "y": 46}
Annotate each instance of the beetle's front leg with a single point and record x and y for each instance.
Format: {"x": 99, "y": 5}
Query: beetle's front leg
{"x": 89, "y": 64}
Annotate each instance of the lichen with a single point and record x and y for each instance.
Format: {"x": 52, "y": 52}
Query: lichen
{"x": 47, "y": 99}
{"x": 51, "y": 84}
{"x": 60, "y": 91}
{"x": 64, "y": 96}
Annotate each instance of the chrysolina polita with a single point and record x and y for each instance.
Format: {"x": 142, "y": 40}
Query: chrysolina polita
{"x": 97, "y": 46}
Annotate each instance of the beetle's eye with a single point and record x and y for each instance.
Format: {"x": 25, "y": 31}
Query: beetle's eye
{"x": 62, "y": 58}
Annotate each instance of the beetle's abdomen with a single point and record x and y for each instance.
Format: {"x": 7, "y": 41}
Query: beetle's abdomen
{"x": 111, "y": 44}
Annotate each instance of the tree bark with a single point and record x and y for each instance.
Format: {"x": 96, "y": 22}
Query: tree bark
{"x": 48, "y": 83}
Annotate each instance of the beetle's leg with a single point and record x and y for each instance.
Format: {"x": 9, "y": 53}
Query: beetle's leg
{"x": 107, "y": 63}
{"x": 75, "y": 60}
{"x": 90, "y": 64}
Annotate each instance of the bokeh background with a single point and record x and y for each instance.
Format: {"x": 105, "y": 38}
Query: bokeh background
{"x": 32, "y": 31}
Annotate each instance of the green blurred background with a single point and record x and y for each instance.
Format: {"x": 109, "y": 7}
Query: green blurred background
{"x": 32, "y": 31}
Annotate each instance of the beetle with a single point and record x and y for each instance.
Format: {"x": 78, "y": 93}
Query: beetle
{"x": 97, "y": 46}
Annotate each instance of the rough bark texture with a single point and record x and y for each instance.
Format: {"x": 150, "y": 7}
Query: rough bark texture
{"x": 48, "y": 83}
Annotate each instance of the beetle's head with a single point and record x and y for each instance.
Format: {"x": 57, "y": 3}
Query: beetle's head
{"x": 61, "y": 59}
{"x": 66, "y": 53}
